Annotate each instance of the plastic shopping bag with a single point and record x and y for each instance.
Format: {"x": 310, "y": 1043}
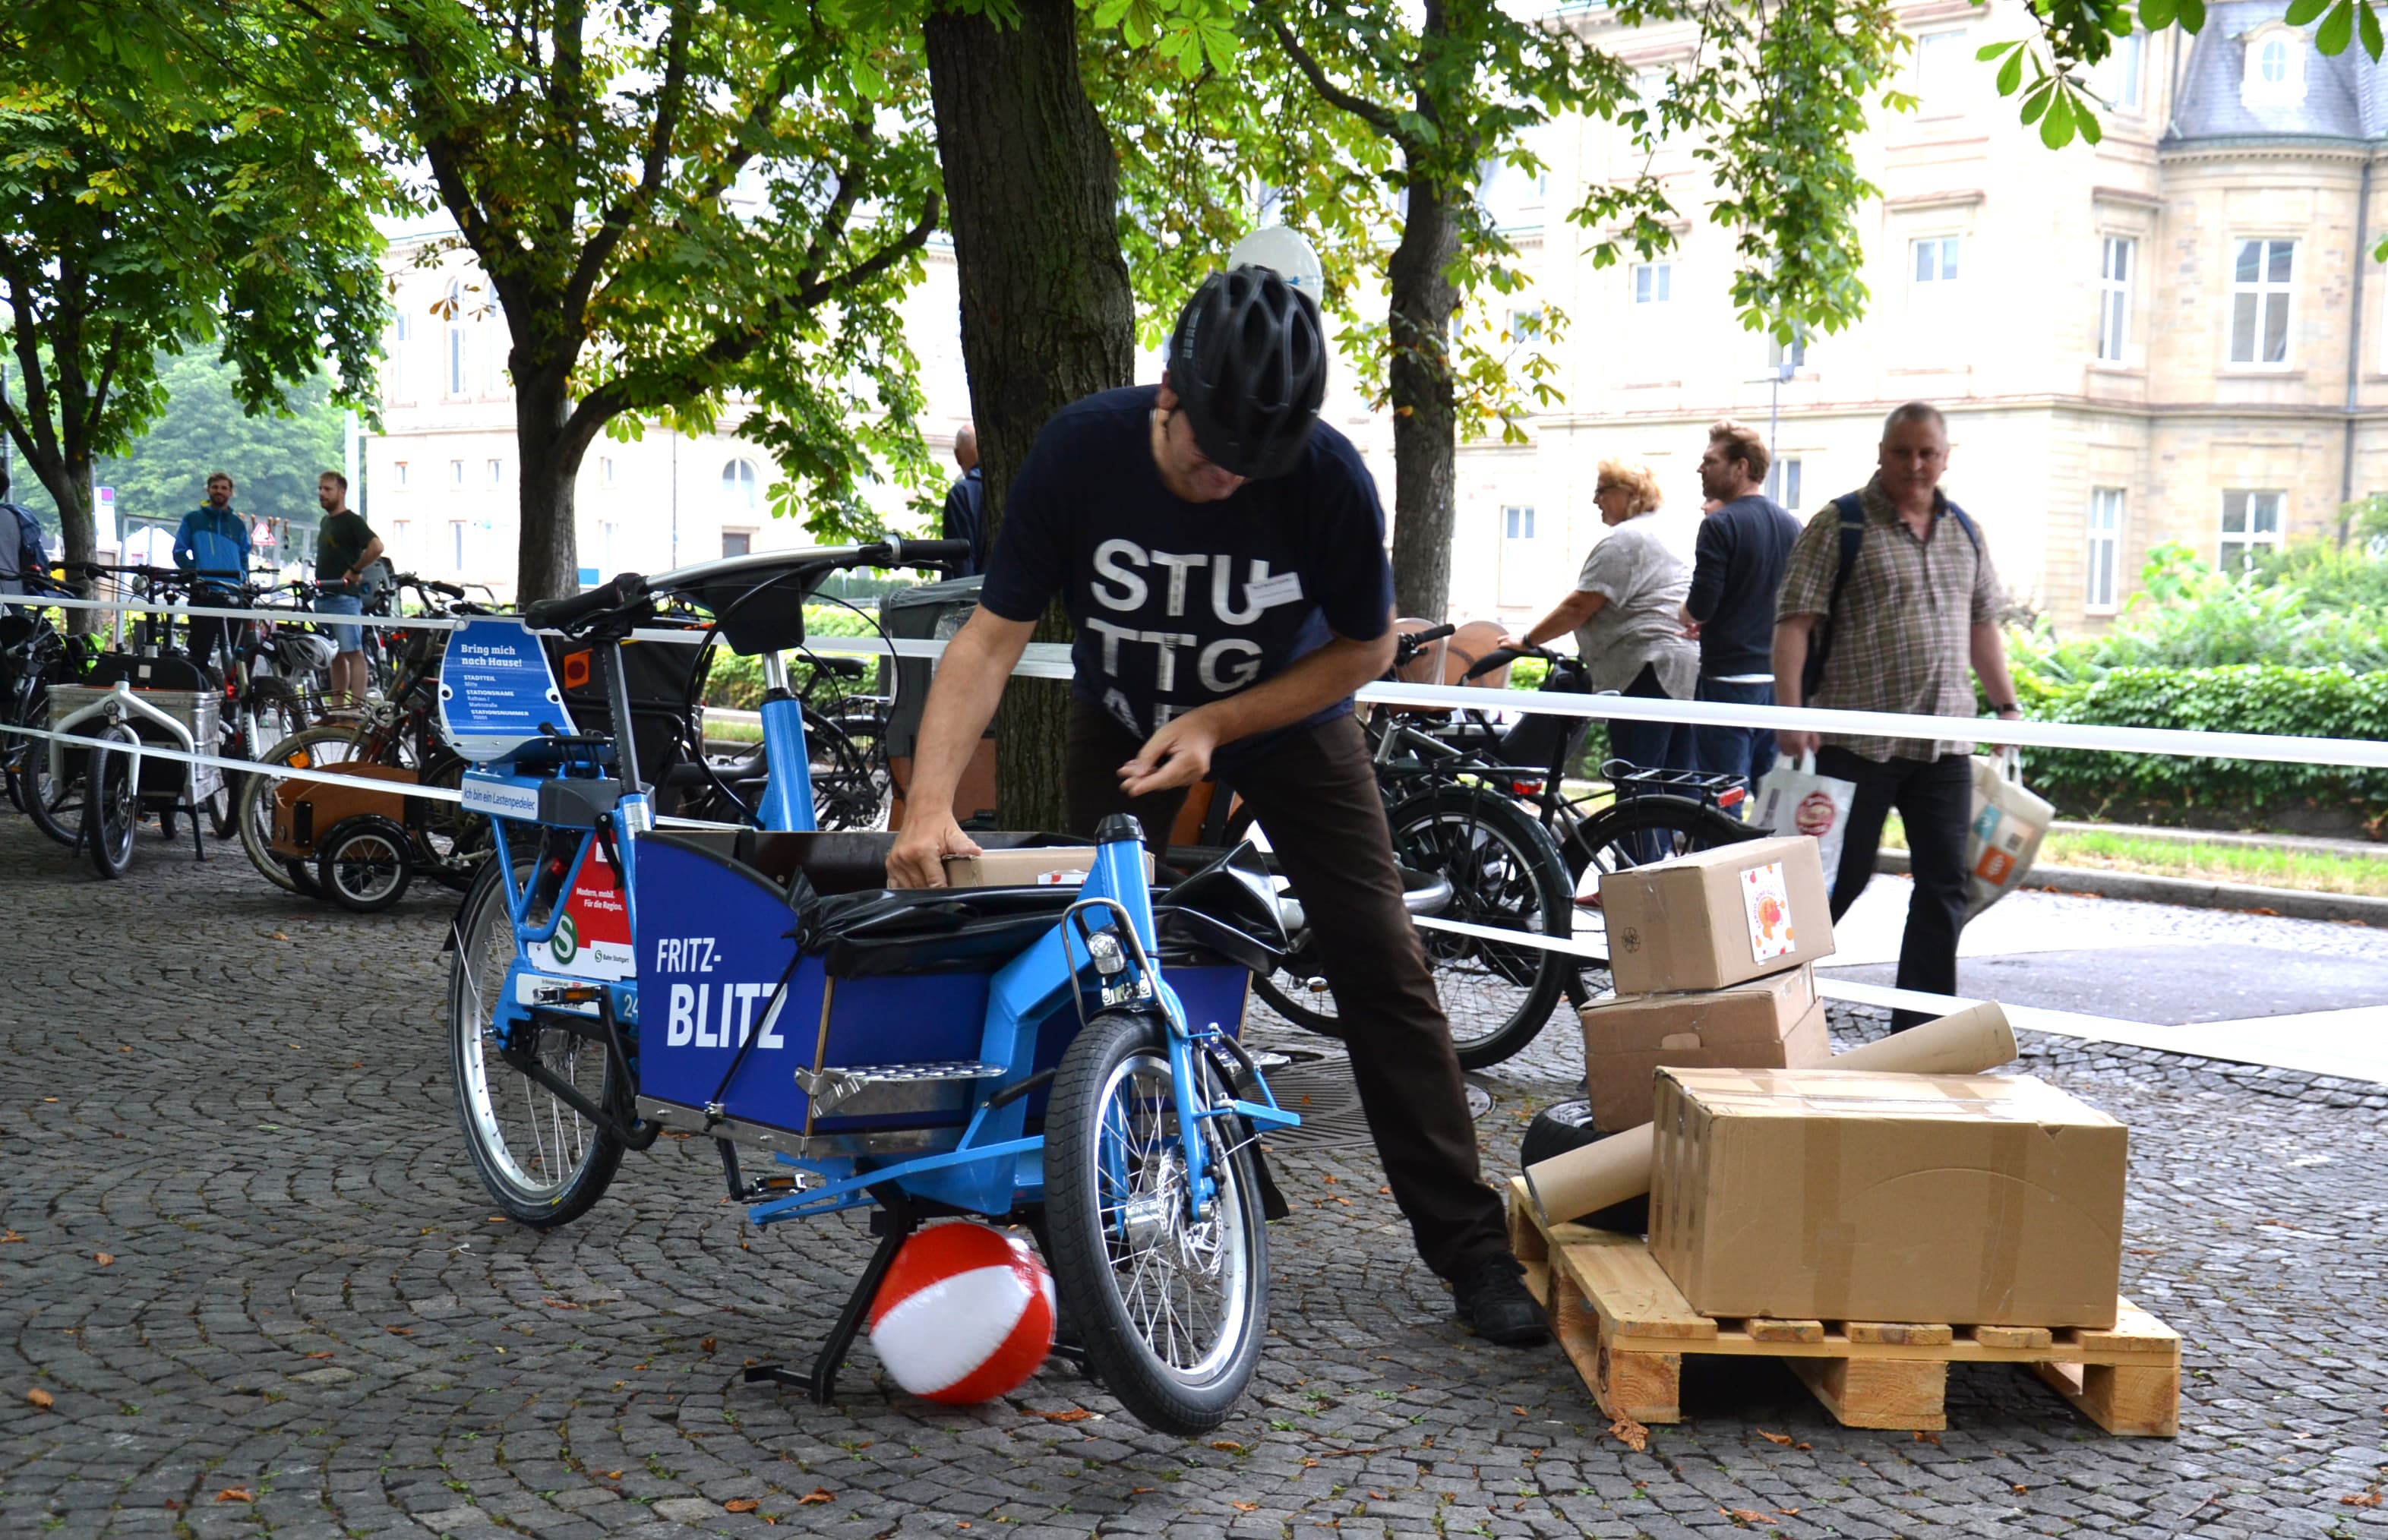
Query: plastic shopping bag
{"x": 1793, "y": 798}
{"x": 2009, "y": 823}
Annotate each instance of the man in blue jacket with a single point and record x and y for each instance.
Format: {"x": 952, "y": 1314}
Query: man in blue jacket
{"x": 214, "y": 543}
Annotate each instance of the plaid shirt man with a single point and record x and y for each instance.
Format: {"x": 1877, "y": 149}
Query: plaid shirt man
{"x": 1901, "y": 640}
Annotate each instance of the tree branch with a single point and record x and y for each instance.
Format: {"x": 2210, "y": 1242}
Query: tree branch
{"x": 106, "y": 374}
{"x": 670, "y": 98}
{"x": 616, "y": 395}
{"x": 1379, "y": 118}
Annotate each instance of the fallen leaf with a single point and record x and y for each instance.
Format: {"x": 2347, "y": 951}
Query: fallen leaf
{"x": 1384, "y": 1191}
{"x": 1247, "y": 1507}
{"x": 1075, "y": 1414}
{"x": 325, "y": 1354}
{"x": 706, "y": 1345}
{"x": 1141, "y": 1491}
{"x": 280, "y": 937}
{"x": 742, "y": 1504}
{"x": 1924, "y": 1437}
{"x": 1229, "y": 1444}
{"x": 1375, "y": 1497}
{"x": 1783, "y": 1439}
{"x": 234, "y": 1495}
{"x": 173, "y": 1505}
{"x": 2368, "y": 1500}
{"x": 1519, "y": 1410}
{"x": 1746, "y": 1515}
{"x": 1631, "y": 1433}
{"x": 2020, "y": 1487}
{"x": 400, "y": 1331}
{"x": 124, "y": 1048}
{"x": 562, "y": 1304}
{"x": 818, "y": 1495}
{"x": 49, "y": 1098}
{"x": 42, "y": 1398}
{"x": 497, "y": 1218}
{"x": 10, "y": 1238}
{"x": 105, "y": 1259}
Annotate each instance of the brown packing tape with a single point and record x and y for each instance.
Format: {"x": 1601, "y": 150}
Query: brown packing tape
{"x": 1618, "y": 1169}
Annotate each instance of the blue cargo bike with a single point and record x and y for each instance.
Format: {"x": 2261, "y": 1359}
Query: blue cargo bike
{"x": 1064, "y": 1056}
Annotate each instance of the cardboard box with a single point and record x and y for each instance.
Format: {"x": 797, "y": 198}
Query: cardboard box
{"x": 1030, "y": 866}
{"x": 1718, "y": 917}
{"x": 1833, "y": 1195}
{"x": 1771, "y": 1023}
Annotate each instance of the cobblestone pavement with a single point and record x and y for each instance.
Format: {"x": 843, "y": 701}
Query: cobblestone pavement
{"x": 250, "y": 1271}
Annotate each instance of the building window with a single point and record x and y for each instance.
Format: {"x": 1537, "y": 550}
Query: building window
{"x": 1654, "y": 282}
{"x": 494, "y": 348}
{"x": 738, "y": 484}
{"x": 455, "y": 338}
{"x": 401, "y": 539}
{"x": 1942, "y": 68}
{"x": 497, "y": 472}
{"x": 2274, "y": 74}
{"x": 1525, "y": 326}
{"x": 2260, "y": 286}
{"x": 2114, "y": 296}
{"x": 2106, "y": 546}
{"x": 737, "y": 542}
{"x": 605, "y": 470}
{"x": 455, "y": 472}
{"x": 400, "y": 467}
{"x": 2272, "y": 62}
{"x": 1518, "y": 523}
{"x": 394, "y": 367}
{"x": 605, "y": 546}
{"x": 2251, "y": 522}
{"x": 1936, "y": 258}
{"x": 2126, "y": 70}
{"x": 456, "y": 546}
{"x": 1783, "y": 482}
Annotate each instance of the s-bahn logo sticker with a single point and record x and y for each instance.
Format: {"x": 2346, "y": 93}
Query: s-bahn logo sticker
{"x": 592, "y": 939}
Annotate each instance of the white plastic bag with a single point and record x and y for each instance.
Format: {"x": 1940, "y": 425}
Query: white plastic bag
{"x": 1793, "y": 798}
{"x": 2003, "y": 839}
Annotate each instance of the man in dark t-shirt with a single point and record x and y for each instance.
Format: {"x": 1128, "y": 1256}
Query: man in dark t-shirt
{"x": 345, "y": 546}
{"x": 1742, "y": 547}
{"x": 1222, "y": 556}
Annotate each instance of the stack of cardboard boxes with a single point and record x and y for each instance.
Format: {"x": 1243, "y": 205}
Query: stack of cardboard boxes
{"x": 1713, "y": 954}
{"x": 1783, "y": 1188}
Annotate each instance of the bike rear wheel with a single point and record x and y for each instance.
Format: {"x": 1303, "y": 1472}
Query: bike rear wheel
{"x": 1173, "y": 1304}
{"x": 1634, "y": 831}
{"x": 55, "y": 806}
{"x": 315, "y": 747}
{"x": 542, "y": 1161}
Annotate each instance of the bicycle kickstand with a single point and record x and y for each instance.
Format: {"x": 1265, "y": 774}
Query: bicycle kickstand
{"x": 893, "y": 1222}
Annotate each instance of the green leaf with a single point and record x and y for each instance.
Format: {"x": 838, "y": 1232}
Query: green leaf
{"x": 2368, "y": 22}
{"x": 2301, "y": 12}
{"x": 1989, "y": 51}
{"x": 2087, "y": 122}
{"x": 2056, "y": 128}
{"x": 2156, "y": 15}
{"x": 2036, "y": 102}
{"x": 2193, "y": 16}
{"x": 2338, "y": 30}
{"x": 2011, "y": 76}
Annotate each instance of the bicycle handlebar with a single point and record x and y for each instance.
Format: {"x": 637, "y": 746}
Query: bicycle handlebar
{"x": 1502, "y": 657}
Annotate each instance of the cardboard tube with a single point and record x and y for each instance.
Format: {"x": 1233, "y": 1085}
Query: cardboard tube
{"x": 1616, "y": 1168}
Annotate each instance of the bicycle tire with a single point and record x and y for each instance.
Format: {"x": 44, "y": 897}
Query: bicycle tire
{"x": 252, "y": 812}
{"x": 1506, "y": 873}
{"x": 1635, "y": 831}
{"x": 112, "y": 800}
{"x": 54, "y": 807}
{"x": 1122, "y": 1242}
{"x": 585, "y": 1155}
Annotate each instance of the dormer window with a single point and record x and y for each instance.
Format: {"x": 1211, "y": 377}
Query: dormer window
{"x": 2275, "y": 67}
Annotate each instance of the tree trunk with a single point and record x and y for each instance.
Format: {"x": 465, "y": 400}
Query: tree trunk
{"x": 547, "y": 564}
{"x": 1047, "y": 314}
{"x": 1425, "y": 418}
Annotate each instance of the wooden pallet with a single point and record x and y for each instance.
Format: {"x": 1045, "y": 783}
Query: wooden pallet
{"x": 1627, "y": 1327}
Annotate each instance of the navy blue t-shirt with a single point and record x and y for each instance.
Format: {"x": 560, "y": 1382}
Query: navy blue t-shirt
{"x": 1177, "y": 603}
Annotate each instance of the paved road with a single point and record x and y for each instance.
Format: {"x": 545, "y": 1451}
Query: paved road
{"x": 242, "y": 1099}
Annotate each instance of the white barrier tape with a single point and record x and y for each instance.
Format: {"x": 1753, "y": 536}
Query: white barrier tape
{"x": 1050, "y": 661}
{"x": 251, "y": 767}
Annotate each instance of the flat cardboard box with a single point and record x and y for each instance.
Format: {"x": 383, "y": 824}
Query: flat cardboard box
{"x": 1771, "y": 1023}
{"x": 1030, "y": 866}
{"x": 1716, "y": 917}
{"x": 1832, "y": 1195}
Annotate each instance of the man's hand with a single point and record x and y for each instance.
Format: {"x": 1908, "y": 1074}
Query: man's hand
{"x": 1792, "y": 744}
{"x": 917, "y": 859}
{"x": 1178, "y": 755}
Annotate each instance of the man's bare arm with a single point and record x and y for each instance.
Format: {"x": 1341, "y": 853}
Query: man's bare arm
{"x": 1792, "y": 635}
{"x": 1989, "y": 651}
{"x": 969, "y": 682}
{"x": 1179, "y": 754}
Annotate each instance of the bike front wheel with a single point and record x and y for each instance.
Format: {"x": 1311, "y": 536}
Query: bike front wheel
{"x": 54, "y": 803}
{"x": 541, "y": 1160}
{"x": 1171, "y": 1300}
{"x": 112, "y": 800}
{"x": 316, "y": 748}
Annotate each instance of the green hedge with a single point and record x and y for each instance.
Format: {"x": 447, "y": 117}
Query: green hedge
{"x": 2253, "y": 698}
{"x": 737, "y": 681}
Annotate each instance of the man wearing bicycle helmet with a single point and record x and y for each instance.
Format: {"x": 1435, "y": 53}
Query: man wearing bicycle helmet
{"x": 1222, "y": 554}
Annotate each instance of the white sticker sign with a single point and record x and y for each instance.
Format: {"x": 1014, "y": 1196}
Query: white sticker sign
{"x": 1766, "y": 901}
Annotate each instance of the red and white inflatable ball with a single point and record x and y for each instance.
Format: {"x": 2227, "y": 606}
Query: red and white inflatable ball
{"x": 965, "y": 1314}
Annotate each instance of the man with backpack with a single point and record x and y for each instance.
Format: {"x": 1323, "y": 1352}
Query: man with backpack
{"x": 21, "y": 541}
{"x": 212, "y": 541}
{"x": 1888, "y": 597}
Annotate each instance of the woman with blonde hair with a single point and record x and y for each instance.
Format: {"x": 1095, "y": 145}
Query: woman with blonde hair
{"x": 1622, "y": 612}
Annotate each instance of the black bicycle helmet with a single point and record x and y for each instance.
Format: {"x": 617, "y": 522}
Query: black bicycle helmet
{"x": 1247, "y": 363}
